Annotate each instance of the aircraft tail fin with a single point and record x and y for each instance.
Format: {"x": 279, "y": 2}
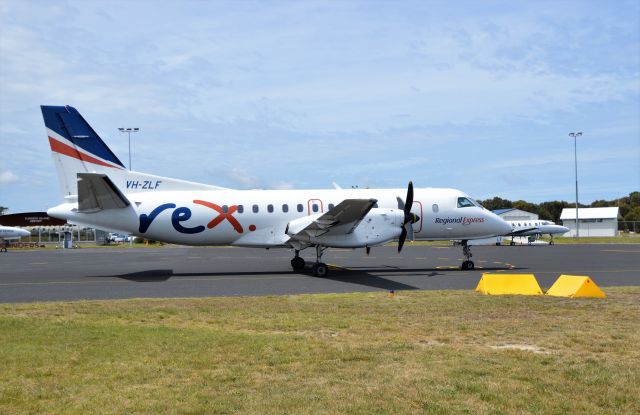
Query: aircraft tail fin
{"x": 77, "y": 149}
{"x": 75, "y": 146}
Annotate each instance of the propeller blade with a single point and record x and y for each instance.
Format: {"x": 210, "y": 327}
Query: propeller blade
{"x": 403, "y": 236}
{"x": 400, "y": 203}
{"x": 409, "y": 200}
{"x": 409, "y": 228}
{"x": 368, "y": 249}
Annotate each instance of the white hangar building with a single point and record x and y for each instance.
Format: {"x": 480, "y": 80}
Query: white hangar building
{"x": 601, "y": 221}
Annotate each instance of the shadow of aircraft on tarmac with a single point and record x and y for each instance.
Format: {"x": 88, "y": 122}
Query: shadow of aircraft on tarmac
{"x": 352, "y": 275}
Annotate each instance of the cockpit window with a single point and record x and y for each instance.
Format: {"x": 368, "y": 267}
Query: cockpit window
{"x": 475, "y": 202}
{"x": 463, "y": 202}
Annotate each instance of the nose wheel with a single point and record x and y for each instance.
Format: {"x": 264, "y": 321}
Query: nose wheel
{"x": 467, "y": 264}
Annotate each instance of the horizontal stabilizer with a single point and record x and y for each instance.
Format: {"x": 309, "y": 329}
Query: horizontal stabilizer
{"x": 97, "y": 192}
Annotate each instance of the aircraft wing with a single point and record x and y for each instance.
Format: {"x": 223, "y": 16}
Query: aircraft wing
{"x": 523, "y": 231}
{"x": 342, "y": 219}
{"x": 97, "y": 192}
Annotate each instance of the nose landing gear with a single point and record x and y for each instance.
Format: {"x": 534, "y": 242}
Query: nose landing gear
{"x": 467, "y": 264}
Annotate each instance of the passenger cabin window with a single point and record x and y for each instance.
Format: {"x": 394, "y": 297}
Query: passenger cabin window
{"x": 314, "y": 207}
{"x": 255, "y": 209}
{"x": 270, "y": 208}
{"x": 300, "y": 208}
{"x": 331, "y": 206}
{"x": 225, "y": 209}
{"x": 435, "y": 208}
{"x": 240, "y": 209}
{"x": 463, "y": 202}
{"x": 285, "y": 208}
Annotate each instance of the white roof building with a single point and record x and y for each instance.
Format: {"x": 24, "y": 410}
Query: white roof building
{"x": 601, "y": 221}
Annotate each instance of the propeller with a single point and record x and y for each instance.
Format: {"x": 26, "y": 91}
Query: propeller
{"x": 409, "y": 218}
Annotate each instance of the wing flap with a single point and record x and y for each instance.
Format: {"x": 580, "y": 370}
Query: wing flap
{"x": 342, "y": 219}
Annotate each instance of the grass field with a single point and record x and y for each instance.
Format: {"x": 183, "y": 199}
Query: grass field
{"x": 418, "y": 352}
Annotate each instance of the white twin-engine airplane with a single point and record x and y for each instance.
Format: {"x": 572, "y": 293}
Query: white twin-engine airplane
{"x": 100, "y": 192}
{"x": 534, "y": 229}
{"x": 8, "y": 233}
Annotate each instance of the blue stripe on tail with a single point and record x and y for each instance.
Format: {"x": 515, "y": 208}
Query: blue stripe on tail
{"x": 68, "y": 122}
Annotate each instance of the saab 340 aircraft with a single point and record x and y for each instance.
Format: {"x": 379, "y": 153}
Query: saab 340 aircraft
{"x": 100, "y": 192}
{"x": 8, "y": 233}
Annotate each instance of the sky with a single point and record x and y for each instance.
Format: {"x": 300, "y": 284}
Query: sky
{"x": 475, "y": 95}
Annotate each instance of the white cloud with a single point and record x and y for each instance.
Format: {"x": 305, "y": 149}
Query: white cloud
{"x": 7, "y": 177}
{"x": 292, "y": 94}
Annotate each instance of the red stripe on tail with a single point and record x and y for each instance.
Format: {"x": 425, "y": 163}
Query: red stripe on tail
{"x": 62, "y": 148}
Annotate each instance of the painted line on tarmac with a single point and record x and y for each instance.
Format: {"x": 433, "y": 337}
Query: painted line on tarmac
{"x": 338, "y": 267}
{"x": 619, "y": 250}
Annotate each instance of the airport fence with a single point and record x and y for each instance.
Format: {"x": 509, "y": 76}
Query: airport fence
{"x": 629, "y": 226}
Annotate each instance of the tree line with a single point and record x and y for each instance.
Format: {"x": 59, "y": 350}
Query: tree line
{"x": 629, "y": 206}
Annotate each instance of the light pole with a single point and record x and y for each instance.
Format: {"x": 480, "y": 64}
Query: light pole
{"x": 129, "y": 131}
{"x": 575, "y": 154}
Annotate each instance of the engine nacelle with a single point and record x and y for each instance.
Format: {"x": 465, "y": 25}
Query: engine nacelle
{"x": 379, "y": 226}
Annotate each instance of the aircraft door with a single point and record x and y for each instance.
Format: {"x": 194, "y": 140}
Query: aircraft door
{"x": 315, "y": 206}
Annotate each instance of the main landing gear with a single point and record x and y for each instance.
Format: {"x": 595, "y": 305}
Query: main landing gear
{"x": 319, "y": 269}
{"x": 297, "y": 262}
{"x": 467, "y": 264}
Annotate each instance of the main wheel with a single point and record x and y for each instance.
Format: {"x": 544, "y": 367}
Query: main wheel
{"x": 512, "y": 243}
{"x": 297, "y": 263}
{"x": 467, "y": 265}
{"x": 320, "y": 270}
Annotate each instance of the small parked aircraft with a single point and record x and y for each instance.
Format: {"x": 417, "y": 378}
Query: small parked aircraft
{"x": 534, "y": 229}
{"x": 8, "y": 233}
{"x": 100, "y": 192}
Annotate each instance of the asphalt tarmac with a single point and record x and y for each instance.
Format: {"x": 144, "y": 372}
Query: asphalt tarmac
{"x": 117, "y": 273}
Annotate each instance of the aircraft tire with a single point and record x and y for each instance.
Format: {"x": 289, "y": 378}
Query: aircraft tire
{"x": 512, "y": 243}
{"x": 320, "y": 270}
{"x": 3, "y": 249}
{"x": 467, "y": 265}
{"x": 297, "y": 263}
